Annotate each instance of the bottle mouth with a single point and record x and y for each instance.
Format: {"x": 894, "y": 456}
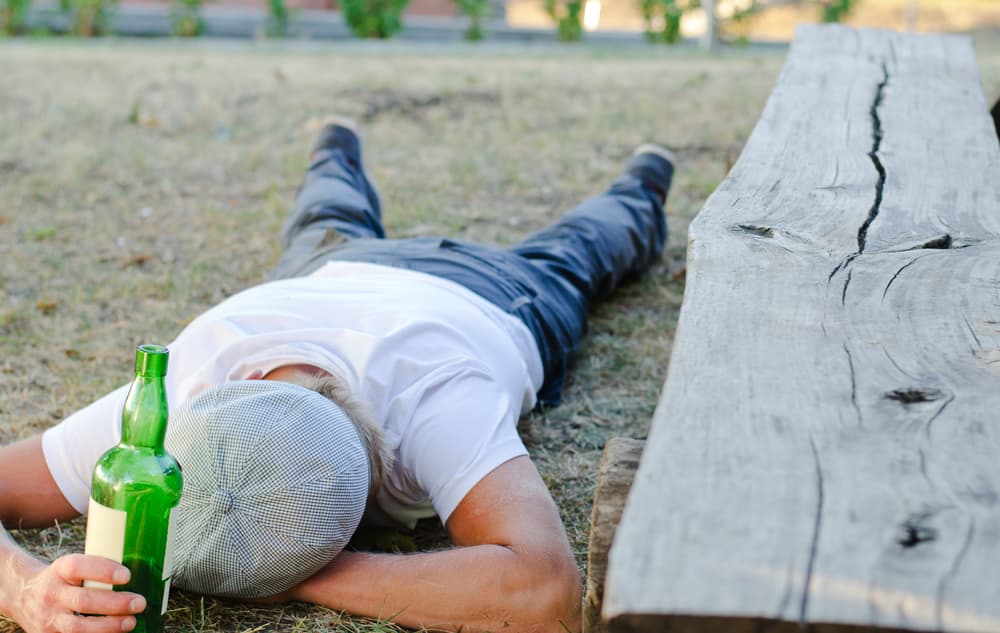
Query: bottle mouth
{"x": 151, "y": 360}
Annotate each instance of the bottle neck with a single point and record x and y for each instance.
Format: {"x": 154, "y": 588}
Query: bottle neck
{"x": 144, "y": 416}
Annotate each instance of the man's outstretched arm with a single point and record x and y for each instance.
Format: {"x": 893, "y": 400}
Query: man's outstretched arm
{"x": 47, "y": 598}
{"x": 511, "y": 570}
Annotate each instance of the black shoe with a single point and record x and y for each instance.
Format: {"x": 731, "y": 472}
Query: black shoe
{"x": 654, "y": 166}
{"x": 338, "y": 133}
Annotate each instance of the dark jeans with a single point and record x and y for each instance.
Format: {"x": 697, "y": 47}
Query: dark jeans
{"x": 548, "y": 280}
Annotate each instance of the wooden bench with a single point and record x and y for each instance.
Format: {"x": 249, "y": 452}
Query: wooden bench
{"x": 826, "y": 450}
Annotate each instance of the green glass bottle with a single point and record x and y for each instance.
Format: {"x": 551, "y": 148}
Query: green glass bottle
{"x": 136, "y": 486}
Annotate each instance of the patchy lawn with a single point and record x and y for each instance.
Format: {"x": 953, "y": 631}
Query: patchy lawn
{"x": 141, "y": 183}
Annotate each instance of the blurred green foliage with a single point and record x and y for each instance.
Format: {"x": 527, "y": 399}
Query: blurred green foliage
{"x": 13, "y": 14}
{"x": 374, "y": 18}
{"x": 663, "y": 17}
{"x": 384, "y": 18}
{"x": 89, "y": 18}
{"x": 835, "y": 10}
{"x": 279, "y": 16}
{"x": 568, "y": 15}
{"x": 476, "y": 10}
{"x": 185, "y": 18}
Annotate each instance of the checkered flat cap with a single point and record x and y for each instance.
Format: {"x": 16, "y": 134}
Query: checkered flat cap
{"x": 275, "y": 483}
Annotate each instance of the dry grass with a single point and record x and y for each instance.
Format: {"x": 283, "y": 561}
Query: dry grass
{"x": 140, "y": 184}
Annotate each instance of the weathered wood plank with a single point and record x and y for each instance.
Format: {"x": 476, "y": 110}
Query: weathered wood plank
{"x": 995, "y": 112}
{"x": 614, "y": 479}
{"x": 826, "y": 450}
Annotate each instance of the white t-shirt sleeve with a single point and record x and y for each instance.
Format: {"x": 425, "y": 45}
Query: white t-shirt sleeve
{"x": 465, "y": 427}
{"x": 73, "y": 446}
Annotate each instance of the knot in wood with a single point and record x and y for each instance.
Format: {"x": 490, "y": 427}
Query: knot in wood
{"x": 911, "y": 395}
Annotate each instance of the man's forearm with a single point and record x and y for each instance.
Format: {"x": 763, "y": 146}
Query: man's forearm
{"x": 478, "y": 588}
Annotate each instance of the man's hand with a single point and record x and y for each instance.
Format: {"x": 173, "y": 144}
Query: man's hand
{"x": 51, "y": 598}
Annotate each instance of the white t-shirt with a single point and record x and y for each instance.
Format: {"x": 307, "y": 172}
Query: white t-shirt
{"x": 446, "y": 373}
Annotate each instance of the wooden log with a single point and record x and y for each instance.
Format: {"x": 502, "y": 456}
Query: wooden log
{"x": 825, "y": 451}
{"x": 614, "y": 478}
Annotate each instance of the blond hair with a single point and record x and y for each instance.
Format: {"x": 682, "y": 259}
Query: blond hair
{"x": 333, "y": 389}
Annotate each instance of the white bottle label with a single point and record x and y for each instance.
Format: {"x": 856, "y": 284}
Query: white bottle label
{"x": 166, "y": 596}
{"x": 168, "y": 559}
{"x": 168, "y": 555}
{"x": 105, "y": 536}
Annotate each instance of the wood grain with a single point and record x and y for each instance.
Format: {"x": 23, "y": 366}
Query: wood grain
{"x": 826, "y": 450}
{"x": 619, "y": 462}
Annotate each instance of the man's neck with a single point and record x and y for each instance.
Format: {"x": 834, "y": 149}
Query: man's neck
{"x": 289, "y": 373}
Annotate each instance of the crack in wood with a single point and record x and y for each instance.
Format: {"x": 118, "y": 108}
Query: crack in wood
{"x": 956, "y": 563}
{"x": 873, "y": 155}
{"x": 854, "y": 386}
{"x": 814, "y": 545}
{"x": 786, "y": 595}
{"x": 762, "y": 231}
{"x": 923, "y": 468}
{"x": 843, "y": 293}
{"x": 942, "y": 242}
{"x": 979, "y": 343}
{"x": 937, "y": 414}
{"x": 844, "y": 263}
{"x": 904, "y": 267}
{"x": 894, "y": 363}
{"x": 779, "y": 238}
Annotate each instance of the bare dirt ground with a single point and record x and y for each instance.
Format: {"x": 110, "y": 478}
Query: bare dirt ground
{"x": 142, "y": 183}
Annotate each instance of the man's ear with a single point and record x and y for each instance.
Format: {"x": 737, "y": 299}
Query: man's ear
{"x": 256, "y": 374}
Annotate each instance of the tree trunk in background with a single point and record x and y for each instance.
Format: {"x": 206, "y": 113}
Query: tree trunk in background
{"x": 710, "y": 40}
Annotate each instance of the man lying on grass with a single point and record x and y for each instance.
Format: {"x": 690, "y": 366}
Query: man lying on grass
{"x": 371, "y": 382}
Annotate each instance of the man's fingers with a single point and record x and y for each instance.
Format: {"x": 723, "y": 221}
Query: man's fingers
{"x": 79, "y": 624}
{"x": 76, "y": 568}
{"x": 102, "y": 601}
{"x": 54, "y": 600}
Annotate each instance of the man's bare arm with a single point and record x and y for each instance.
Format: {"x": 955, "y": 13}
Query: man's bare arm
{"x": 46, "y": 598}
{"x": 512, "y": 569}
